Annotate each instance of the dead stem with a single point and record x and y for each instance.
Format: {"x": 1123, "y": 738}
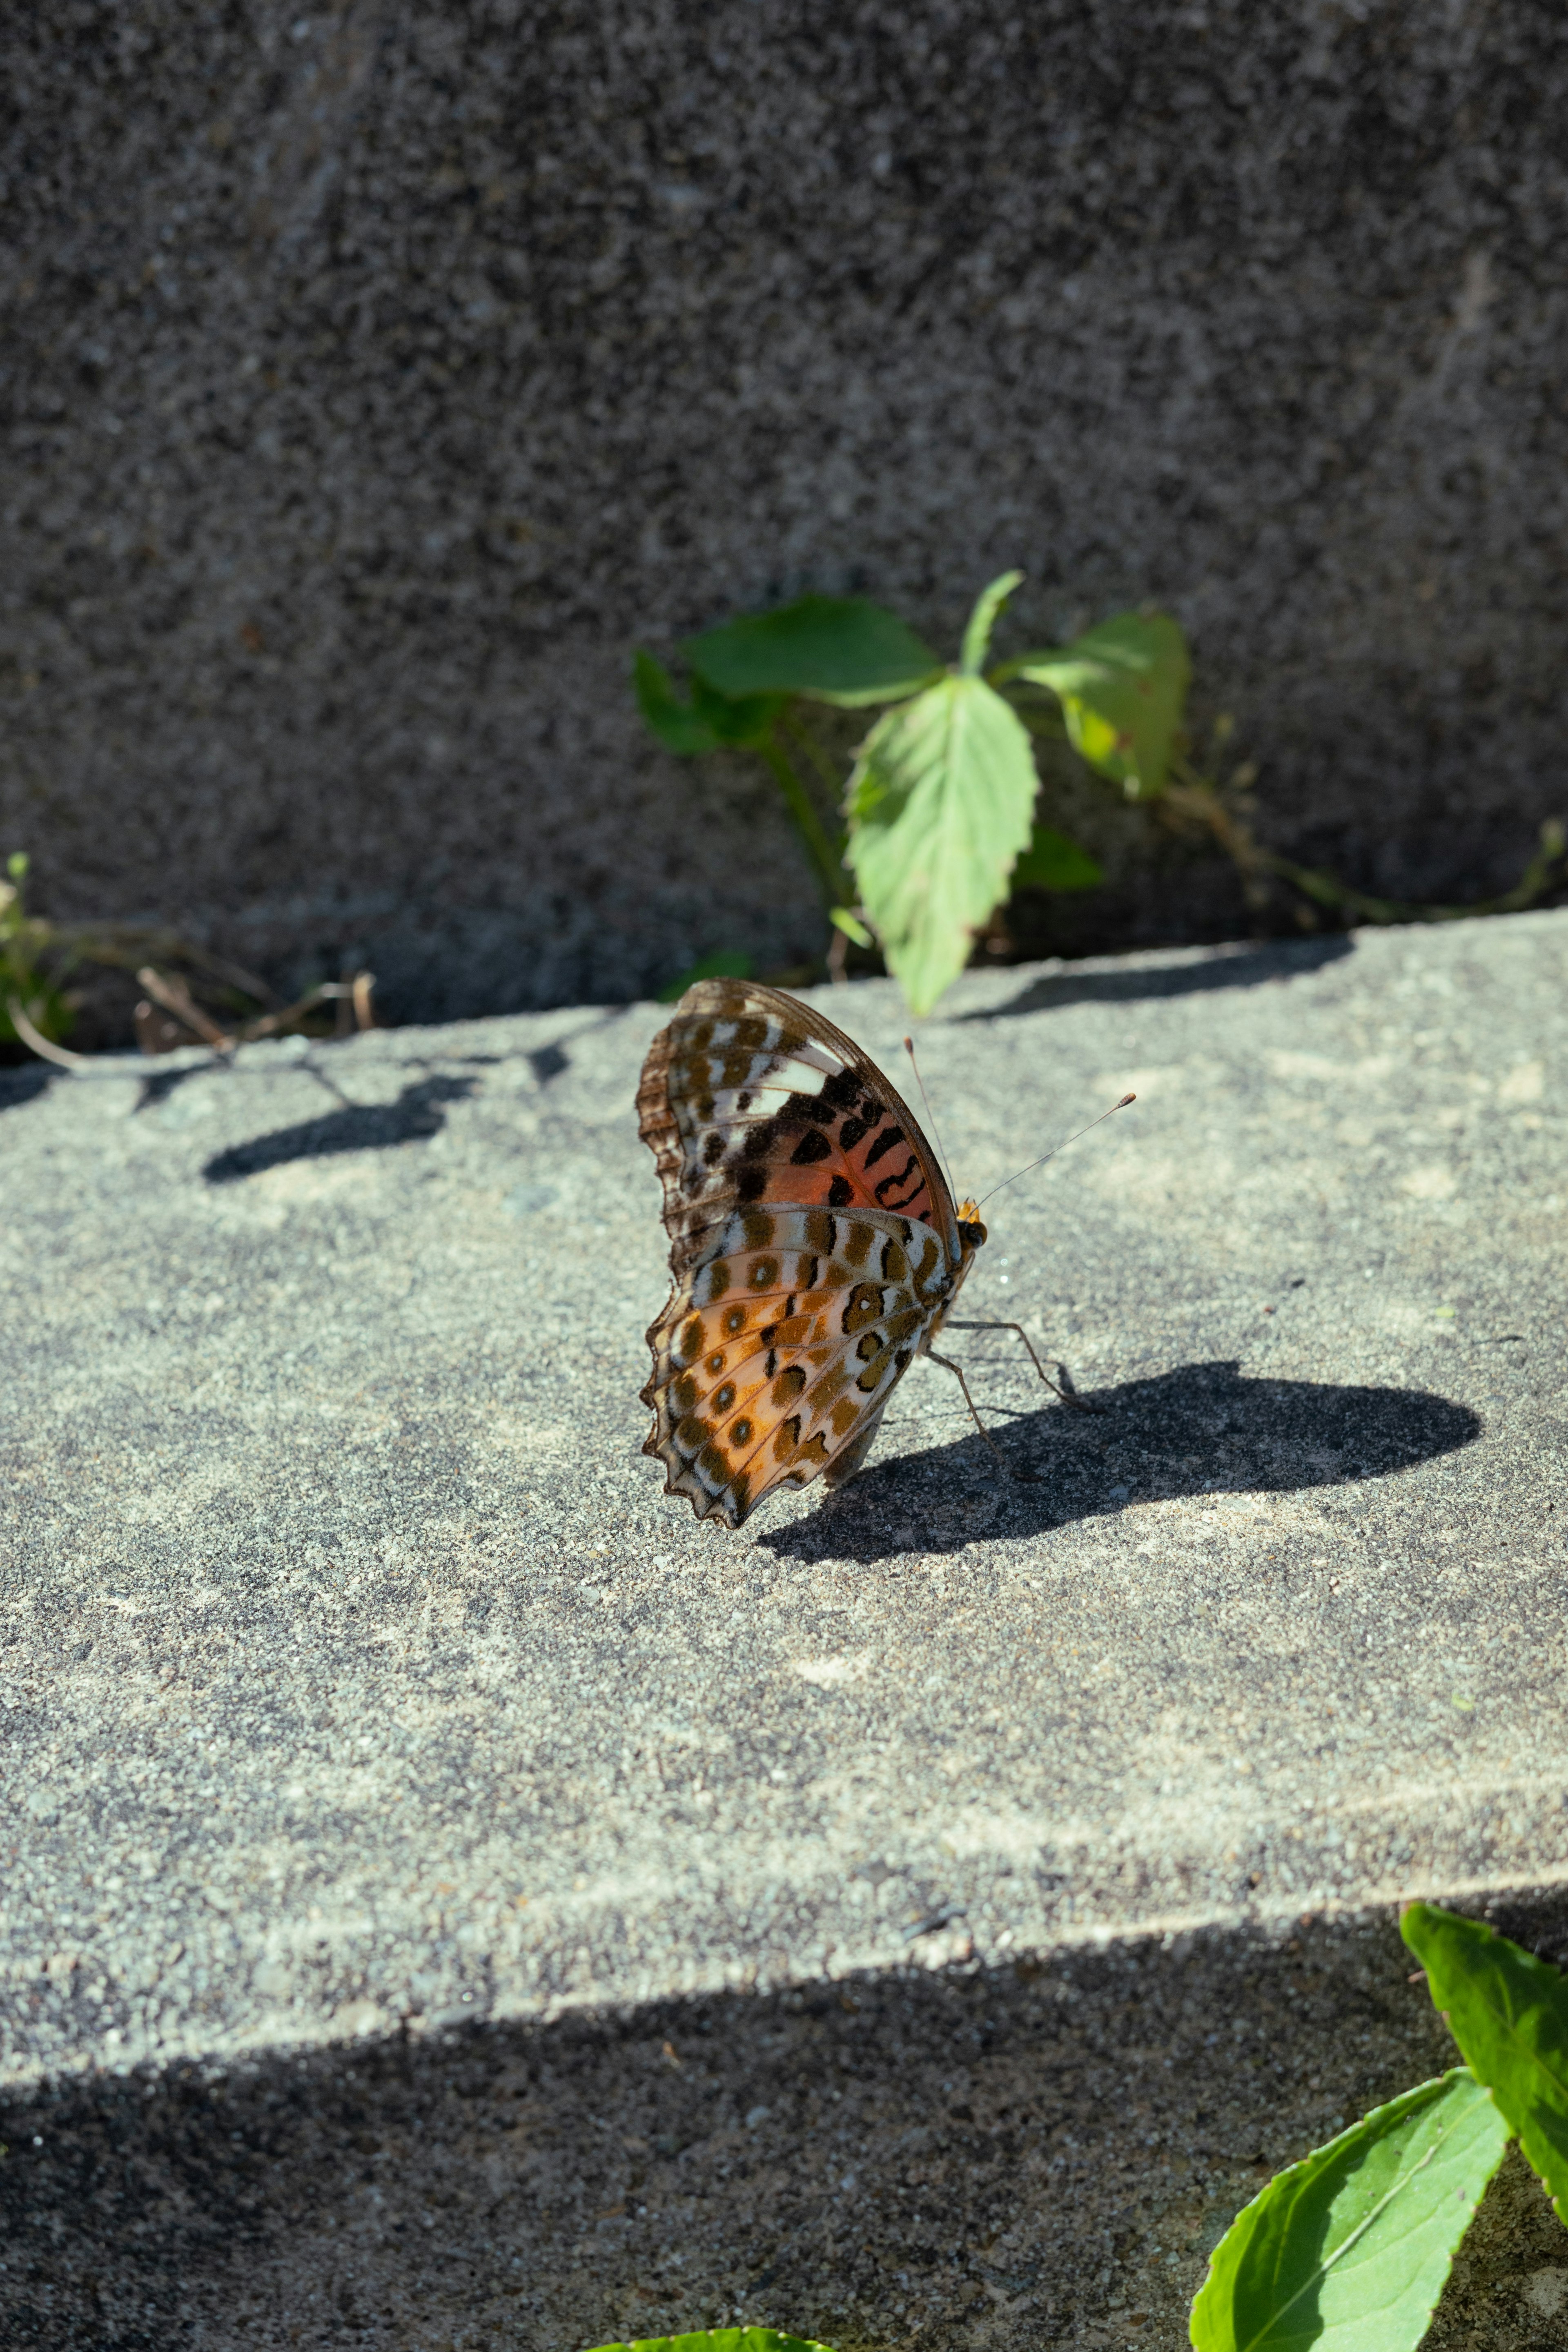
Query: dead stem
{"x": 173, "y": 995}
{"x": 61, "y": 1056}
{"x": 1200, "y": 802}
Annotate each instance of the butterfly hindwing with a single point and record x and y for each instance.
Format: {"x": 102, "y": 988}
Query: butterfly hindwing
{"x": 775, "y": 1356}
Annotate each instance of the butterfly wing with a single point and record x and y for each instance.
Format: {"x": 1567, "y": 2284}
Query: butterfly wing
{"x": 751, "y": 1097}
{"x": 813, "y": 1241}
{"x": 776, "y": 1355}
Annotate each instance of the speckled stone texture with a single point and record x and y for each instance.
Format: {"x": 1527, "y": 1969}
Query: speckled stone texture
{"x": 358, "y": 1672}
{"x": 374, "y": 376}
{"x": 448, "y": 1895}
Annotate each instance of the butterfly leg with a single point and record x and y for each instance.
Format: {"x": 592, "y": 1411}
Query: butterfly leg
{"x": 1066, "y": 1390}
{"x": 949, "y": 1365}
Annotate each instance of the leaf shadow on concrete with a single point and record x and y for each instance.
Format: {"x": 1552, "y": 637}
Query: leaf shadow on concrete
{"x": 1231, "y": 967}
{"x": 1204, "y": 1428}
{"x": 418, "y": 1113}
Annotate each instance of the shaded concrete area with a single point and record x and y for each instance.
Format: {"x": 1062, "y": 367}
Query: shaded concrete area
{"x": 1033, "y": 2154}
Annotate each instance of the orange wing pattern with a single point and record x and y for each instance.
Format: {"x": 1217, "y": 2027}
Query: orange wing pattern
{"x": 750, "y": 1096}
{"x": 775, "y": 1356}
{"x": 814, "y": 1246}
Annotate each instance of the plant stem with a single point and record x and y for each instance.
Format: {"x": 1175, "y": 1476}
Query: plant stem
{"x": 39, "y": 1043}
{"x": 830, "y": 875}
{"x": 1198, "y": 798}
{"x": 797, "y": 730}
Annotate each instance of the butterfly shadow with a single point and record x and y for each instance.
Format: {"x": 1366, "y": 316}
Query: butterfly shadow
{"x": 1204, "y": 1428}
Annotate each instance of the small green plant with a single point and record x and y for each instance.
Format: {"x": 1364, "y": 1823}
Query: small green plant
{"x": 1348, "y": 2250}
{"x": 1508, "y": 2013}
{"x": 939, "y": 817}
{"x": 1351, "y": 2247}
{"x": 944, "y": 811}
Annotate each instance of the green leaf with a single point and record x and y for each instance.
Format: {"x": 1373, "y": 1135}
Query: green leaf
{"x": 676, "y": 724}
{"x": 982, "y": 620}
{"x": 727, "y": 964}
{"x": 840, "y": 649}
{"x": 1122, "y": 688}
{"x": 744, "y": 721}
{"x": 1052, "y": 862}
{"x": 709, "y": 720}
{"x": 1508, "y": 2013}
{"x": 844, "y": 919}
{"x": 720, "y": 2339}
{"x": 940, "y": 804}
{"x": 1347, "y": 2252}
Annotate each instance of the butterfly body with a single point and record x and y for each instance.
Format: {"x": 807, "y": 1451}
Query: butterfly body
{"x": 815, "y": 1247}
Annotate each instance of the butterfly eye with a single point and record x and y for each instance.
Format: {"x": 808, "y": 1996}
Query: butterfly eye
{"x": 736, "y": 1320}
{"x": 724, "y": 1398}
{"x": 716, "y": 1361}
{"x": 765, "y": 1274}
{"x": 742, "y": 1430}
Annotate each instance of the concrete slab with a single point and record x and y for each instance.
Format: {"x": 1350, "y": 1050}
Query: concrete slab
{"x": 358, "y": 1675}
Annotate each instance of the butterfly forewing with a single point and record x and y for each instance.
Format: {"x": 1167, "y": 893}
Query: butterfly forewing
{"x": 813, "y": 1244}
{"x": 750, "y": 1096}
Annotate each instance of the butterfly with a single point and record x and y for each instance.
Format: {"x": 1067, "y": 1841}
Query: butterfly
{"x": 816, "y": 1248}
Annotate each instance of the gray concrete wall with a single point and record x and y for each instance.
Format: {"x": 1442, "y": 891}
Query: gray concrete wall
{"x": 372, "y": 378}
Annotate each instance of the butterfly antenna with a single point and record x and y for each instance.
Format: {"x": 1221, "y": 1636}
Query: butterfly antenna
{"x": 1056, "y": 1147}
{"x": 930, "y": 1121}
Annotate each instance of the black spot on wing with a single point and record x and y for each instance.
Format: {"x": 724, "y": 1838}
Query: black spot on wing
{"x": 840, "y": 1192}
{"x": 884, "y": 1143}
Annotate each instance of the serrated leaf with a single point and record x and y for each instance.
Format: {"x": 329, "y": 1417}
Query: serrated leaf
{"x": 938, "y": 806}
{"x": 982, "y": 620}
{"x": 1508, "y": 2013}
{"x": 1052, "y": 862}
{"x": 676, "y": 724}
{"x": 1347, "y": 2251}
{"x": 1122, "y": 688}
{"x": 838, "y": 649}
{"x": 727, "y": 964}
{"x": 720, "y": 2339}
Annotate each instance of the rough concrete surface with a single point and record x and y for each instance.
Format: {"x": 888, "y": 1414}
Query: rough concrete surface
{"x": 360, "y": 1682}
{"x": 375, "y": 375}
